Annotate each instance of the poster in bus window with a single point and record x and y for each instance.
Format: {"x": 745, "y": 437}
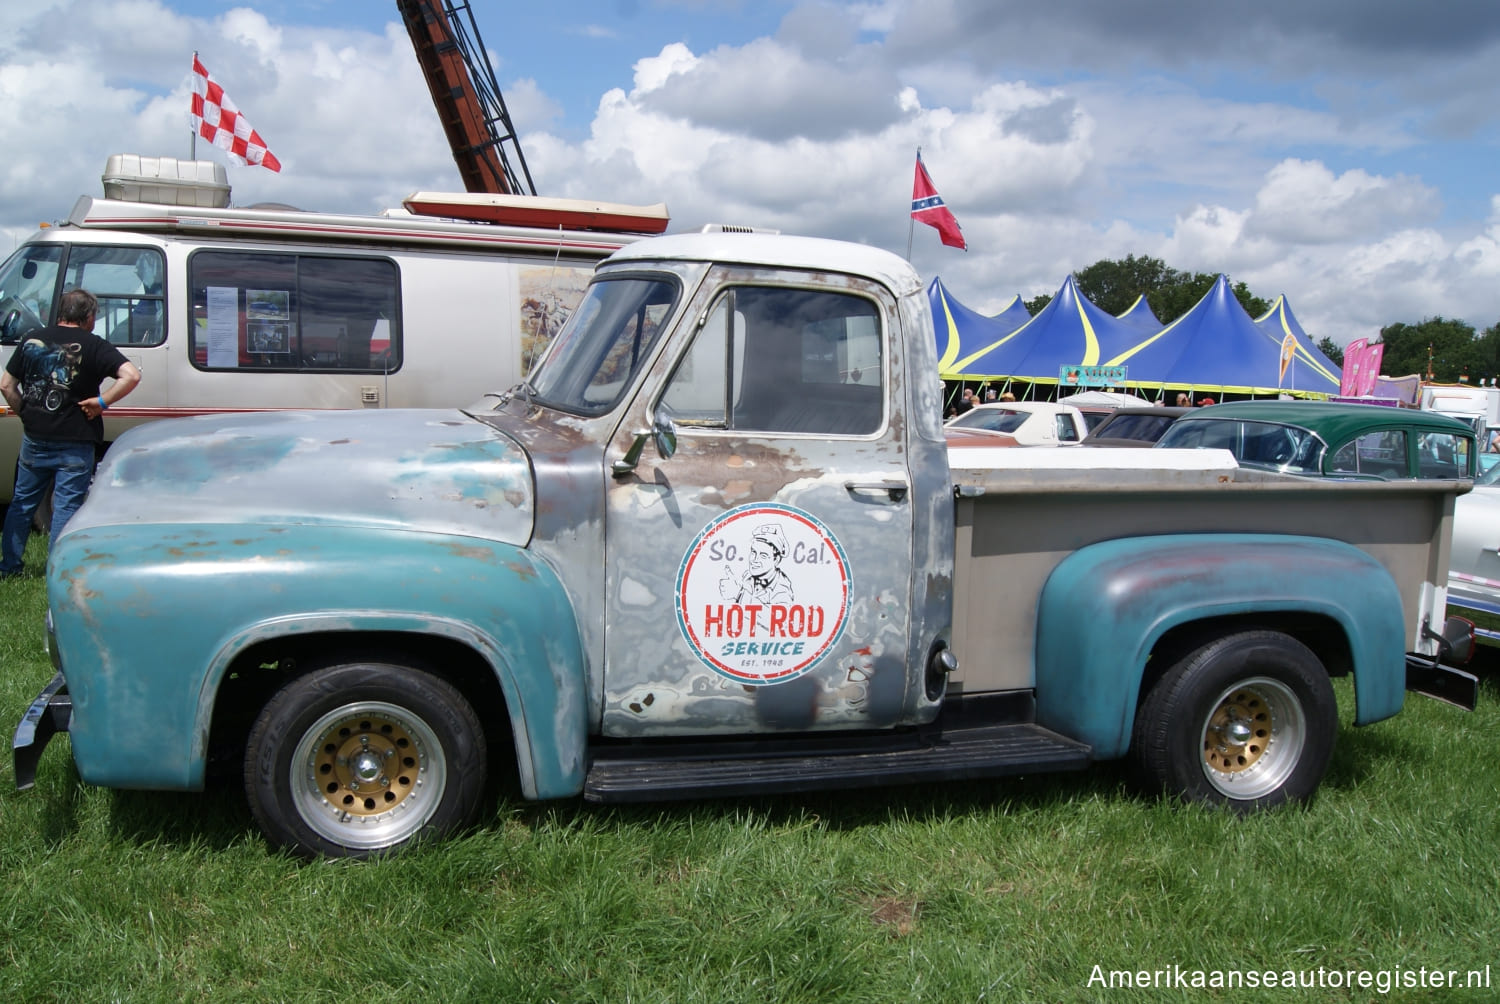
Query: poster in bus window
{"x": 268, "y": 330}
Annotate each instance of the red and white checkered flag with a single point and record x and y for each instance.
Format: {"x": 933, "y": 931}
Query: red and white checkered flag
{"x": 217, "y": 120}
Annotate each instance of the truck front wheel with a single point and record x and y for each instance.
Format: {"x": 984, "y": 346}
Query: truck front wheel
{"x": 1246, "y": 721}
{"x": 361, "y": 758}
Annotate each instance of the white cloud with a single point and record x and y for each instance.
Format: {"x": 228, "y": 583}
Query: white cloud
{"x": 1303, "y": 202}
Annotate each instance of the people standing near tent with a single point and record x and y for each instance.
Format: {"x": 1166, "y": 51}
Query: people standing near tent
{"x": 1184, "y": 400}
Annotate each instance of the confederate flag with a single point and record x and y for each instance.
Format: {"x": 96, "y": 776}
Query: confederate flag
{"x": 927, "y": 207}
{"x": 217, "y": 120}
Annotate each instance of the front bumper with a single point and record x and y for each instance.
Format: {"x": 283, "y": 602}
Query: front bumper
{"x": 48, "y": 715}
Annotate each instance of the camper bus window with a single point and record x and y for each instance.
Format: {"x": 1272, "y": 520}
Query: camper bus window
{"x": 277, "y": 312}
{"x": 128, "y": 283}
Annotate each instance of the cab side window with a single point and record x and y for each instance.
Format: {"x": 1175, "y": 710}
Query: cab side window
{"x": 771, "y": 359}
{"x": 293, "y": 312}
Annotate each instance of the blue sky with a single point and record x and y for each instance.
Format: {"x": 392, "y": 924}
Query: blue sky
{"x": 1339, "y": 153}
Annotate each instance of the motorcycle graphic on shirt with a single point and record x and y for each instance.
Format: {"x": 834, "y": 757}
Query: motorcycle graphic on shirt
{"x": 47, "y": 373}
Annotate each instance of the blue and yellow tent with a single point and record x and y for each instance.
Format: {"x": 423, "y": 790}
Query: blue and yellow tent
{"x": 1141, "y": 317}
{"x": 961, "y": 332}
{"x": 1216, "y": 346}
{"x": 1069, "y": 331}
{"x": 1278, "y": 322}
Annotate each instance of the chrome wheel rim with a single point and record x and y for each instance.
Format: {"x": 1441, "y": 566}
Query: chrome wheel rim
{"x": 368, "y": 775}
{"x": 1253, "y": 738}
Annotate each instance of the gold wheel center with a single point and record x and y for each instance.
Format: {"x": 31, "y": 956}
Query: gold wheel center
{"x": 366, "y": 766}
{"x": 1237, "y": 733}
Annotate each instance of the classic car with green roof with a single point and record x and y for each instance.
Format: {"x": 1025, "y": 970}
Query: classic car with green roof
{"x": 1317, "y": 438}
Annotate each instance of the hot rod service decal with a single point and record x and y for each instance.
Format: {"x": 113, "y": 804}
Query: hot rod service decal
{"x": 763, "y": 593}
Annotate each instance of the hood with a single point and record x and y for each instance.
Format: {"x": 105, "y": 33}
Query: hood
{"x": 428, "y": 470}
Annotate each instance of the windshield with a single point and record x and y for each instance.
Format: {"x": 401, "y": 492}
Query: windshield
{"x": 1489, "y": 477}
{"x": 592, "y": 361}
{"x": 27, "y": 281}
{"x": 993, "y": 419}
{"x": 1254, "y": 444}
{"x": 1146, "y": 428}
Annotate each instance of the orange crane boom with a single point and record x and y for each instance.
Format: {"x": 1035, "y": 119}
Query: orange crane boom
{"x": 466, "y": 96}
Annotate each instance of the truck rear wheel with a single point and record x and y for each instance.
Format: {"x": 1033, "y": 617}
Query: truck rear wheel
{"x": 361, "y": 758}
{"x": 1246, "y": 721}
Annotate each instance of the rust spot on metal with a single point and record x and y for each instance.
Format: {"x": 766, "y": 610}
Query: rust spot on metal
{"x": 640, "y": 706}
{"x": 735, "y": 460}
{"x": 464, "y": 551}
{"x": 338, "y": 442}
{"x": 521, "y": 569}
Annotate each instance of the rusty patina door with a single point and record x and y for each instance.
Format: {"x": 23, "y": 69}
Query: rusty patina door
{"x": 759, "y": 578}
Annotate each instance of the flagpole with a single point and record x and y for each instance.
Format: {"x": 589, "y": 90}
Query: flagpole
{"x": 193, "y": 148}
{"x": 911, "y": 221}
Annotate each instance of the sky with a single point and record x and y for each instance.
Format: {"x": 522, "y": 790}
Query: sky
{"x": 1339, "y": 153}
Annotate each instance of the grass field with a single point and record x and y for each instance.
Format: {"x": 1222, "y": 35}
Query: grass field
{"x": 1004, "y": 891}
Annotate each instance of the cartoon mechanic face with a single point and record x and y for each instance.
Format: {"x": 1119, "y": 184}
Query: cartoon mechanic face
{"x": 762, "y": 558}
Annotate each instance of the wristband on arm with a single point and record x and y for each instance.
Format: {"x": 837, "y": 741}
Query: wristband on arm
{"x": 103, "y": 404}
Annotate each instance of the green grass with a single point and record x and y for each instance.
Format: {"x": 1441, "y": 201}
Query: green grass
{"x": 1004, "y": 891}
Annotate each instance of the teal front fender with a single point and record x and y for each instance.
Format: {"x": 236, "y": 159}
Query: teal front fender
{"x": 149, "y": 621}
{"x": 1105, "y": 607}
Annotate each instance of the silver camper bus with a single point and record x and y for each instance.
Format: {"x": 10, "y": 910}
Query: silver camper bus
{"x": 267, "y": 307}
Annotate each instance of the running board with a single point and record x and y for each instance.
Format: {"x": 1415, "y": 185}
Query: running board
{"x": 640, "y": 773}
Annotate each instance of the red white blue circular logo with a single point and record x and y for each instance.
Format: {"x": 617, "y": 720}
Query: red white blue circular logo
{"x": 763, "y": 593}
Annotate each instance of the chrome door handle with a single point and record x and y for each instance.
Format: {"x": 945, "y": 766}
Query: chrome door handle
{"x": 893, "y": 490}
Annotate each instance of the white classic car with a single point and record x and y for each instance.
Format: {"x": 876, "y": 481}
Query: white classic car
{"x": 1020, "y": 423}
{"x": 1474, "y": 569}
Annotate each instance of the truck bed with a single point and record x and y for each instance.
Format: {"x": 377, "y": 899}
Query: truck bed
{"x": 1018, "y": 516}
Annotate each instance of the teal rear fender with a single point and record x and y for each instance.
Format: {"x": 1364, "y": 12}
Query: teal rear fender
{"x": 1105, "y": 607}
{"x": 149, "y": 621}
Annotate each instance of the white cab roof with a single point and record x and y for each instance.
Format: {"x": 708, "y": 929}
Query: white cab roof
{"x": 778, "y": 251}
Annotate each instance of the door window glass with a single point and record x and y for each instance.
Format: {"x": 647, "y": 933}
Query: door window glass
{"x": 1373, "y": 455}
{"x": 1443, "y": 455}
{"x": 798, "y": 360}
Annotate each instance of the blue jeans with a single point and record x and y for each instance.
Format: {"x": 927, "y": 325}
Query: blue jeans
{"x": 65, "y": 467}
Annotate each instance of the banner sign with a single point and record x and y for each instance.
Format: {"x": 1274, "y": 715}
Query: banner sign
{"x": 1091, "y": 376}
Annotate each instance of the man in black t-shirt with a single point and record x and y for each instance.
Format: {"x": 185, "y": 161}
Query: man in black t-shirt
{"x": 52, "y": 382}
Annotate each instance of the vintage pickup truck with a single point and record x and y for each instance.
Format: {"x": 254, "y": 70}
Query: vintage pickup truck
{"x": 714, "y": 545}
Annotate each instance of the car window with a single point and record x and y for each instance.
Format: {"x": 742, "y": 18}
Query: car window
{"x": 992, "y": 419}
{"x": 1146, "y": 428}
{"x": 1373, "y": 455}
{"x": 1256, "y": 444}
{"x": 1067, "y": 432}
{"x": 1443, "y": 455}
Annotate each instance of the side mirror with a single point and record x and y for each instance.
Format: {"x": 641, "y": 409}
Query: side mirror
{"x": 662, "y": 432}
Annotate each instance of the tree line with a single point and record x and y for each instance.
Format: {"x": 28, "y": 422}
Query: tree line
{"x": 1451, "y": 349}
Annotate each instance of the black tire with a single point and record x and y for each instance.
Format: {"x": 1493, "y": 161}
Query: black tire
{"x": 318, "y": 762}
{"x": 1246, "y": 721}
